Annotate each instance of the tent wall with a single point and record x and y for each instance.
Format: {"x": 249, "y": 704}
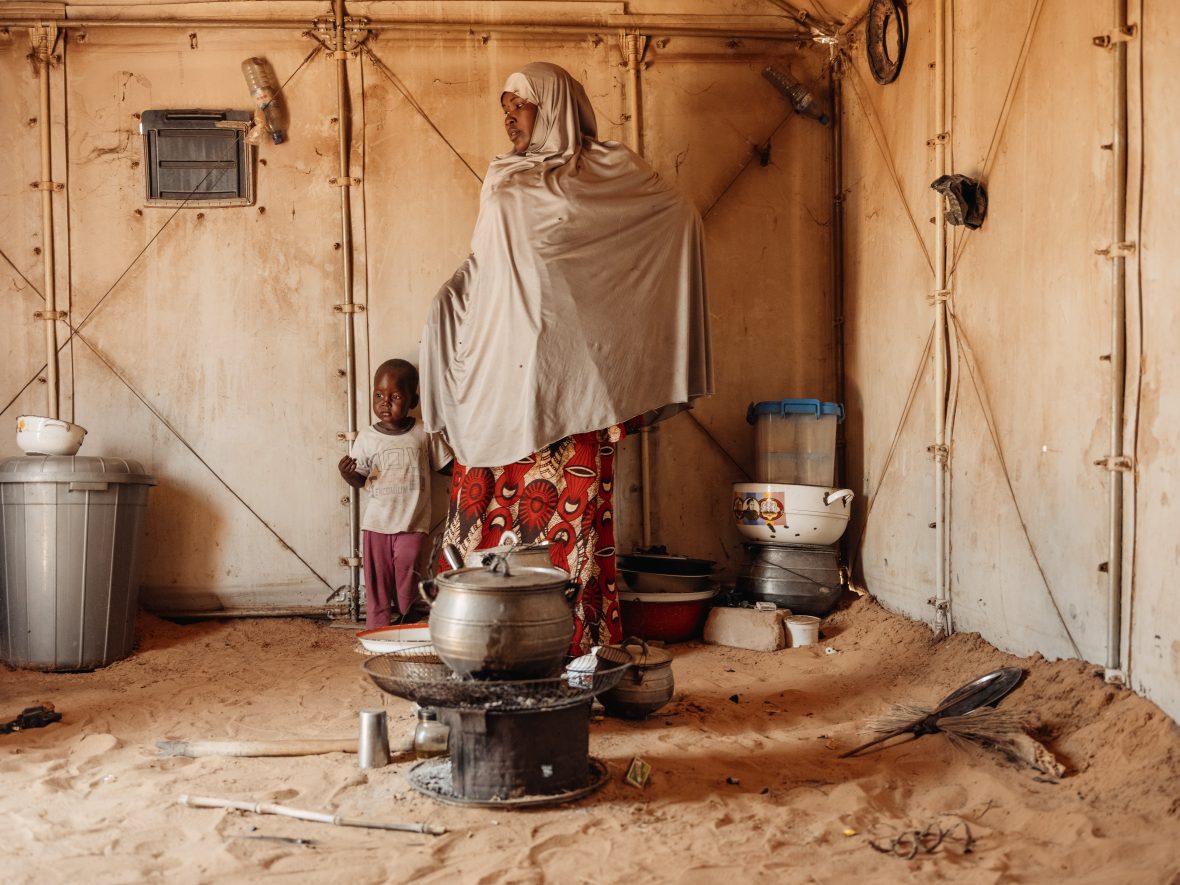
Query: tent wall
{"x": 207, "y": 343}
{"x": 1153, "y": 605}
{"x": 1029, "y": 336}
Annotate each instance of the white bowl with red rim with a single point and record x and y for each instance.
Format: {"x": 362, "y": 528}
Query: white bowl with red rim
{"x": 397, "y": 637}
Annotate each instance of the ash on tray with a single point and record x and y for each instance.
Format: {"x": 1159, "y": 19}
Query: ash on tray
{"x": 430, "y": 683}
{"x": 436, "y": 780}
{"x": 432, "y": 777}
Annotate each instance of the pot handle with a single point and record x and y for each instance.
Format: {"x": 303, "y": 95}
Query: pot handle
{"x": 572, "y": 590}
{"x": 451, "y": 555}
{"x": 637, "y": 672}
{"x": 844, "y": 495}
{"x": 635, "y": 640}
{"x": 428, "y": 591}
{"x": 496, "y": 562}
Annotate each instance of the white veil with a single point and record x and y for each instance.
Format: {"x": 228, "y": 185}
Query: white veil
{"x": 583, "y": 301}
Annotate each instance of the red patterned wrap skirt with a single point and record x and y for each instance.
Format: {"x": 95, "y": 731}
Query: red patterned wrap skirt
{"x": 561, "y": 494}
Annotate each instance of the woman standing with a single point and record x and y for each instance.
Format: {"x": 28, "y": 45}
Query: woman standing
{"x": 579, "y": 314}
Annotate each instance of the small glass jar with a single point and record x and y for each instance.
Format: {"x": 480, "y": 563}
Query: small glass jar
{"x": 431, "y": 737}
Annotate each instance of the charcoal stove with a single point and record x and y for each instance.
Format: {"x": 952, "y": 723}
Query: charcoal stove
{"x": 512, "y": 742}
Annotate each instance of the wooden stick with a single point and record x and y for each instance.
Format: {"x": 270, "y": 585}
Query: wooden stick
{"x": 301, "y": 814}
{"x": 311, "y": 747}
{"x": 877, "y": 740}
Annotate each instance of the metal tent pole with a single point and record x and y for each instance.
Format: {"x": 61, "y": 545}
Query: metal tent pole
{"x": 633, "y": 46}
{"x": 43, "y": 38}
{"x": 1116, "y": 463}
{"x": 344, "y": 182}
{"x": 942, "y": 616}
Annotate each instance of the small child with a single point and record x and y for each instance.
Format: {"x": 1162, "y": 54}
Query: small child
{"x": 393, "y": 460}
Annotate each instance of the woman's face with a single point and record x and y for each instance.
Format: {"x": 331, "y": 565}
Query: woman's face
{"x": 520, "y": 116}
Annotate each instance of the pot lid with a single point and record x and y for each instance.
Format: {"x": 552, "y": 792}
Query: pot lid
{"x": 510, "y": 543}
{"x": 665, "y": 563}
{"x": 644, "y": 656}
{"x": 505, "y": 549}
{"x": 497, "y": 577}
{"x": 73, "y": 468}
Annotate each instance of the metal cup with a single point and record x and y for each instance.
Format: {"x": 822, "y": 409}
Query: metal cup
{"x": 372, "y": 746}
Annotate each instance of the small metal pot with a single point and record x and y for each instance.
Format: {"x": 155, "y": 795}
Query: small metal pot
{"x": 518, "y": 555}
{"x": 501, "y": 622}
{"x": 646, "y": 687}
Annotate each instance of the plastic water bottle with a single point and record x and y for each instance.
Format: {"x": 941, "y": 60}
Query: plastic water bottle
{"x": 795, "y": 92}
{"x": 266, "y": 95}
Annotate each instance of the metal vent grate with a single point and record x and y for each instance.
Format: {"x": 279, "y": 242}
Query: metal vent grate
{"x": 197, "y": 157}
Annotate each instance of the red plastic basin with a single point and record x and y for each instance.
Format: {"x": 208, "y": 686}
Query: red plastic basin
{"x": 670, "y": 617}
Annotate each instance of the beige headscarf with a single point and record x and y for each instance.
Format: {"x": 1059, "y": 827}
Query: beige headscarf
{"x": 582, "y": 303}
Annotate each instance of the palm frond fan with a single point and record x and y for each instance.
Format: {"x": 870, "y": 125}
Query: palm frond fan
{"x": 966, "y": 715}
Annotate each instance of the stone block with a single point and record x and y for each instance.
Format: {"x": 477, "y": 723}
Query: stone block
{"x": 747, "y": 628}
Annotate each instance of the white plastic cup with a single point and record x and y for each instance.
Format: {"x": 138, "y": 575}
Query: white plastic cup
{"x": 803, "y": 630}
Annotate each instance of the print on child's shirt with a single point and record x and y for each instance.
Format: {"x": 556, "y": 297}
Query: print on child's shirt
{"x": 395, "y": 472}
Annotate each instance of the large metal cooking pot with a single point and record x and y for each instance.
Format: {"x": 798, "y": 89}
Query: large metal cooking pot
{"x": 804, "y": 579}
{"x": 501, "y": 622}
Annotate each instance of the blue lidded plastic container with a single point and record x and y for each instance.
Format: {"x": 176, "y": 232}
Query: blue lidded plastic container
{"x": 795, "y": 440}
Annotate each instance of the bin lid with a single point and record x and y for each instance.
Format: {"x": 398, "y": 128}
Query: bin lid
{"x": 794, "y": 407}
{"x": 73, "y": 468}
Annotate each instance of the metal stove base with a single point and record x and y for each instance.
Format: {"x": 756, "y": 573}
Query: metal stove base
{"x": 432, "y": 777}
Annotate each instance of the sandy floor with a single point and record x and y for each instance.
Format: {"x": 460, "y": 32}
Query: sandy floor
{"x": 747, "y": 786}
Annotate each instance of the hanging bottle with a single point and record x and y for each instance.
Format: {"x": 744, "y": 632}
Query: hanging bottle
{"x": 266, "y": 95}
{"x": 795, "y": 92}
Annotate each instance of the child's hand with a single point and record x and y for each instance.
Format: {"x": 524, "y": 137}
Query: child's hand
{"x": 348, "y": 471}
{"x": 347, "y": 466}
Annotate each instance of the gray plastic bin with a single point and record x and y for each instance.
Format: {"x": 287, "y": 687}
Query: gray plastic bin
{"x": 69, "y": 579}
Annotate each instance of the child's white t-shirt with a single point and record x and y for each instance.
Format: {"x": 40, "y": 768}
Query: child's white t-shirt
{"x": 398, "y": 468}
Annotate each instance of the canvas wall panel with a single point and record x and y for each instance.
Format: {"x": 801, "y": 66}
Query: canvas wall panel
{"x": 1153, "y": 653}
{"x": 208, "y": 345}
{"x": 217, "y": 321}
{"x": 1030, "y": 309}
{"x": 23, "y": 389}
{"x": 761, "y": 177}
{"x": 1032, "y": 304}
{"x": 888, "y": 327}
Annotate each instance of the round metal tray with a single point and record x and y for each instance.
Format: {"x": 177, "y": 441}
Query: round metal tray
{"x": 421, "y": 677}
